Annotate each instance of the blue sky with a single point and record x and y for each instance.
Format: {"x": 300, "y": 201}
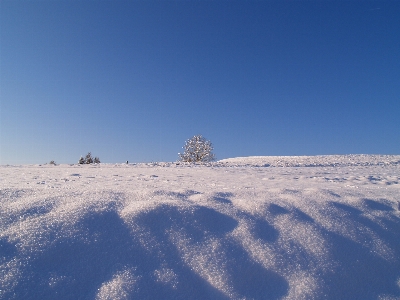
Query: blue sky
{"x": 132, "y": 80}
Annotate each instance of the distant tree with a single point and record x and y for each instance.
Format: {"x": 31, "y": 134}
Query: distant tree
{"x": 197, "y": 149}
{"x": 52, "y": 162}
{"x": 89, "y": 159}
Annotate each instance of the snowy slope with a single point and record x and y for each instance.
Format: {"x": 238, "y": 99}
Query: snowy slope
{"x": 315, "y": 161}
{"x": 323, "y": 227}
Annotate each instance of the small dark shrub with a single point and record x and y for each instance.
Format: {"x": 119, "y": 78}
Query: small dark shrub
{"x": 89, "y": 159}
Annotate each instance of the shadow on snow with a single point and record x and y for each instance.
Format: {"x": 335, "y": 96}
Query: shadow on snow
{"x": 362, "y": 274}
{"x": 75, "y": 268}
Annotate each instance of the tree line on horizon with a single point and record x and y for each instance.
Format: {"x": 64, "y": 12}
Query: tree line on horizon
{"x": 196, "y": 150}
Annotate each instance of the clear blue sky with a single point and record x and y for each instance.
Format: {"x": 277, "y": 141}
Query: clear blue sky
{"x": 132, "y": 80}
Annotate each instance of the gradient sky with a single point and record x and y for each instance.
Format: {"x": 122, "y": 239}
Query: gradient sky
{"x": 132, "y": 80}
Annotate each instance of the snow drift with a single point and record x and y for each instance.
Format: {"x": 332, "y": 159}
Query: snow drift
{"x": 324, "y": 227}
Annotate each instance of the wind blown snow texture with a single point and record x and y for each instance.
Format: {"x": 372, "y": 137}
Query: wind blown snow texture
{"x": 324, "y": 227}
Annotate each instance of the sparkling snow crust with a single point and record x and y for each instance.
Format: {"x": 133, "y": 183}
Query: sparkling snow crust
{"x": 321, "y": 227}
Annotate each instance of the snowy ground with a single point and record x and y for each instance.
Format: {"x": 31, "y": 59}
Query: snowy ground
{"x": 323, "y": 227}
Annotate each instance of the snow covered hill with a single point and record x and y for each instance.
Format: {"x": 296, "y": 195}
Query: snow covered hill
{"x": 322, "y": 227}
{"x": 315, "y": 161}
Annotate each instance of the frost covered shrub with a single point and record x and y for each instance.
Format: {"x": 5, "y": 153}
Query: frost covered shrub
{"x": 197, "y": 149}
{"x": 89, "y": 159}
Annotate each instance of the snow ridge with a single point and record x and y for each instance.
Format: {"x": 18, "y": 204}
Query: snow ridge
{"x": 314, "y": 161}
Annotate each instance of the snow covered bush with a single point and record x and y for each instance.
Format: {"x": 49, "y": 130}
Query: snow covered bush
{"x": 197, "y": 149}
{"x": 89, "y": 159}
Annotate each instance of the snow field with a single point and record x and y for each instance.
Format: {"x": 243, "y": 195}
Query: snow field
{"x": 229, "y": 230}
